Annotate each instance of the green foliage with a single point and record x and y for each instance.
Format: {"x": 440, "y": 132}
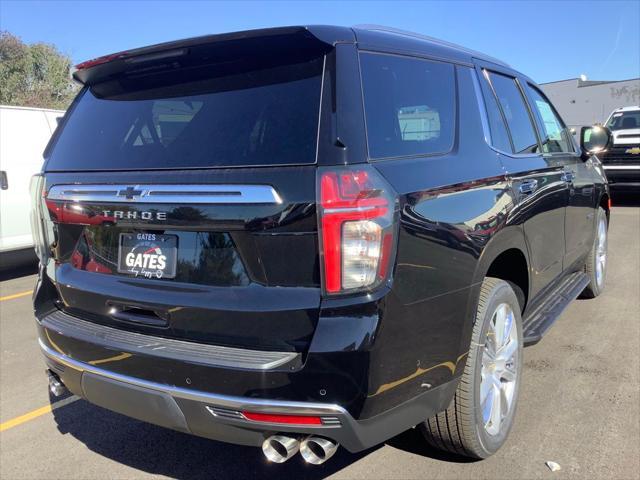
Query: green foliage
{"x": 35, "y": 75}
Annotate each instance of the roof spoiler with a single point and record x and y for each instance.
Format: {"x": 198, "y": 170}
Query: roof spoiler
{"x": 192, "y": 50}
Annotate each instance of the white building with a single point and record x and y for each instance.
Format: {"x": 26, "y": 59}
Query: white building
{"x": 586, "y": 102}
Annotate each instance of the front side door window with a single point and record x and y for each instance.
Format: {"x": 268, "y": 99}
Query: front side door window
{"x": 554, "y": 135}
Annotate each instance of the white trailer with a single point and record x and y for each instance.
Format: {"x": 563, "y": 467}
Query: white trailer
{"x": 24, "y": 133}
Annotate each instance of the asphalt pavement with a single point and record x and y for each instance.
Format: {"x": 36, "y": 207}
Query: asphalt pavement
{"x": 579, "y": 406}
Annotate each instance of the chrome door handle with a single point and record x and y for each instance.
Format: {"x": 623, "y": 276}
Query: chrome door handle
{"x": 528, "y": 186}
{"x": 568, "y": 176}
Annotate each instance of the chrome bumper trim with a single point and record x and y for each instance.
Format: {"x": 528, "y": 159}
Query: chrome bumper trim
{"x": 235, "y": 403}
{"x": 621, "y": 167}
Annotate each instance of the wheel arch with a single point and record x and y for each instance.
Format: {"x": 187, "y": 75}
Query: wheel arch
{"x": 504, "y": 246}
{"x": 506, "y": 256}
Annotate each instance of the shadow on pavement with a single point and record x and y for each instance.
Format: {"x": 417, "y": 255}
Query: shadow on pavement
{"x": 160, "y": 451}
{"x": 412, "y": 441}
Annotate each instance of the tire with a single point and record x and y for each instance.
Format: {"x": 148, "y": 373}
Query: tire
{"x": 465, "y": 428}
{"x": 596, "y": 264}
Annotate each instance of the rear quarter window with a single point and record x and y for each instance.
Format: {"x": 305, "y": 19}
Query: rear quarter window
{"x": 409, "y": 105}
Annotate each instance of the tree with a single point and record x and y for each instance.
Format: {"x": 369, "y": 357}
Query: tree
{"x": 35, "y": 75}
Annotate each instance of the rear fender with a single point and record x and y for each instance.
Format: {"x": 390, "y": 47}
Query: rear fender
{"x": 509, "y": 237}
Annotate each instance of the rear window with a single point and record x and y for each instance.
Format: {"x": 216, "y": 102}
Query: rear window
{"x": 409, "y": 105}
{"x": 267, "y": 116}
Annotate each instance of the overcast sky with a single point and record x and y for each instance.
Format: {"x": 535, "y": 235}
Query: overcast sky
{"x": 547, "y": 40}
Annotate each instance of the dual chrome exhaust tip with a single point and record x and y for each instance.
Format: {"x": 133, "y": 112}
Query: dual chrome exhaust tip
{"x": 280, "y": 448}
{"x": 314, "y": 450}
{"x": 56, "y": 387}
{"x": 317, "y": 450}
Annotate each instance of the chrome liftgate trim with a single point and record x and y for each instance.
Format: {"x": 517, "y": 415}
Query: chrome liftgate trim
{"x": 174, "y": 194}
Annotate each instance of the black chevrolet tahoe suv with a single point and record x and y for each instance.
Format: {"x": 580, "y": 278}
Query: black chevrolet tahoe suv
{"x": 302, "y": 237}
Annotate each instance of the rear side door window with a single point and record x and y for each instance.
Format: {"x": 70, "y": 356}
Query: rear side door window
{"x": 497, "y": 128}
{"x": 555, "y": 137}
{"x": 409, "y": 105}
{"x": 515, "y": 113}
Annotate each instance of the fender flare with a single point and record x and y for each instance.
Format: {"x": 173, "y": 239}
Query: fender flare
{"x": 507, "y": 238}
{"x": 510, "y": 237}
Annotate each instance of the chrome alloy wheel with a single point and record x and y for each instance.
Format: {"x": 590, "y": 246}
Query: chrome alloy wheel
{"x": 601, "y": 252}
{"x": 499, "y": 369}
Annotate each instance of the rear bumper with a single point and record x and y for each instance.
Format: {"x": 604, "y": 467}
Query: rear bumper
{"x": 219, "y": 417}
{"x": 623, "y": 177}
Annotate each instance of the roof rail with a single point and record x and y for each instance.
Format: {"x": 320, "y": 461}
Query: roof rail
{"x": 444, "y": 43}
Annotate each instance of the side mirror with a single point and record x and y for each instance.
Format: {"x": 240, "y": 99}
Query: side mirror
{"x": 594, "y": 140}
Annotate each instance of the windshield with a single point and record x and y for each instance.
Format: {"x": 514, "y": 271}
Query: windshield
{"x": 624, "y": 120}
{"x": 220, "y": 117}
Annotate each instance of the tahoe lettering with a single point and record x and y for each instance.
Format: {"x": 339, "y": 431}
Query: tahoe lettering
{"x": 134, "y": 215}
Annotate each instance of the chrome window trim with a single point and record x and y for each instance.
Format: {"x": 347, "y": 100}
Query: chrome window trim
{"x": 174, "y": 194}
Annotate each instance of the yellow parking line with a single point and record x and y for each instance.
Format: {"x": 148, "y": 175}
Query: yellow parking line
{"x": 16, "y": 295}
{"x": 122, "y": 356}
{"x": 14, "y": 422}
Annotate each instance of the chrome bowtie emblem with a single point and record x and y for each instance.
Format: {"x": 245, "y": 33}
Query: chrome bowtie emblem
{"x": 129, "y": 193}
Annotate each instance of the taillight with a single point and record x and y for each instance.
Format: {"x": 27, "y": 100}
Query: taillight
{"x": 37, "y": 228}
{"x": 357, "y": 210}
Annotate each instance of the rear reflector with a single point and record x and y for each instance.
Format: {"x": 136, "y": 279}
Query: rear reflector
{"x": 288, "y": 419}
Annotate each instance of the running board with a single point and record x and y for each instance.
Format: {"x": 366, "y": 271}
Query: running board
{"x": 538, "y": 321}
